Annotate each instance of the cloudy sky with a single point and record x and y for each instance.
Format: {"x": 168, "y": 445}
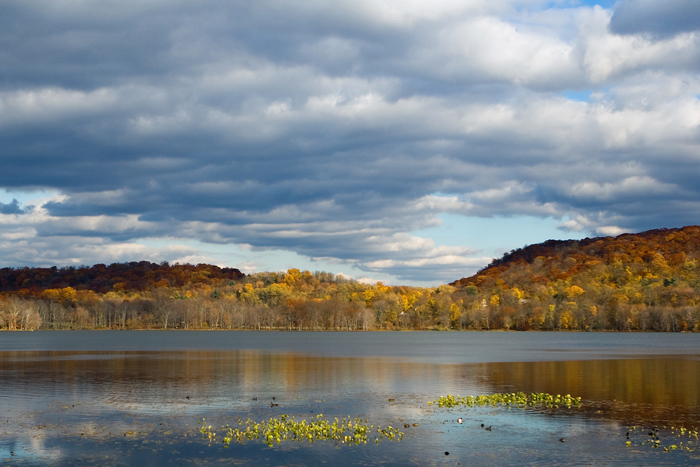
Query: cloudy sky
{"x": 407, "y": 141}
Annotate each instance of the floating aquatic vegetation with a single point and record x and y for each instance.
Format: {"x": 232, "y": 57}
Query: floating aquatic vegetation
{"x": 666, "y": 438}
{"x": 519, "y": 399}
{"x": 287, "y": 428}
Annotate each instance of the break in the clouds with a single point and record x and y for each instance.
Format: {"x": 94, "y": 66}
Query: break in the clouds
{"x": 340, "y": 132}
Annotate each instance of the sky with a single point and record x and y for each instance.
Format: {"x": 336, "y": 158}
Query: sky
{"x": 403, "y": 141}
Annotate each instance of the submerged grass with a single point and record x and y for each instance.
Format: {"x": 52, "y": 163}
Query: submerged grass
{"x": 356, "y": 431}
{"x": 518, "y": 399}
{"x": 351, "y": 431}
{"x": 666, "y": 438}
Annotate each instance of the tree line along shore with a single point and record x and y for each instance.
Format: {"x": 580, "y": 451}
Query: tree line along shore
{"x": 633, "y": 282}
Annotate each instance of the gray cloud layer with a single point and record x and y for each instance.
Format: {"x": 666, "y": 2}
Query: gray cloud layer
{"x": 661, "y": 19}
{"x": 334, "y": 129}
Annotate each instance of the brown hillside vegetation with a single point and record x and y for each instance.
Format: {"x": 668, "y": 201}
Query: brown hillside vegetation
{"x": 134, "y": 276}
{"x": 645, "y": 281}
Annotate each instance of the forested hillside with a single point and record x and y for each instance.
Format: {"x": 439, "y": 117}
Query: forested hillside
{"x": 648, "y": 281}
{"x": 135, "y": 276}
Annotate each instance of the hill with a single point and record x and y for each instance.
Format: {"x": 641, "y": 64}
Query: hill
{"x": 649, "y": 280}
{"x": 134, "y": 276}
{"x": 642, "y": 282}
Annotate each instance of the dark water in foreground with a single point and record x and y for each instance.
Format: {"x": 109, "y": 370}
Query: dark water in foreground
{"x": 134, "y": 398}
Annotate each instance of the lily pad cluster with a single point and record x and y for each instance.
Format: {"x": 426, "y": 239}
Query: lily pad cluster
{"x": 351, "y": 431}
{"x": 518, "y": 399}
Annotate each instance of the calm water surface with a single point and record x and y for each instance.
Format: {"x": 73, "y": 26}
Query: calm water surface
{"x": 135, "y": 398}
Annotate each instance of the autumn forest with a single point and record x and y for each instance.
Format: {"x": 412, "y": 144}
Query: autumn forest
{"x": 634, "y": 282}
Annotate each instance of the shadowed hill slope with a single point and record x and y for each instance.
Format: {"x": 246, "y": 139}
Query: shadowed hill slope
{"x": 134, "y": 276}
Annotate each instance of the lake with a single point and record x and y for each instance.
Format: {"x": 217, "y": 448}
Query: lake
{"x": 113, "y": 398}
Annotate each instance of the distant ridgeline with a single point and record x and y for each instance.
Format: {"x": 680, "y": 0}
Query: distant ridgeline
{"x": 647, "y": 282}
{"x": 136, "y": 276}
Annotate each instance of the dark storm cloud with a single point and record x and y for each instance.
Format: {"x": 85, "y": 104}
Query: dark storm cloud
{"x": 662, "y": 19}
{"x": 335, "y": 129}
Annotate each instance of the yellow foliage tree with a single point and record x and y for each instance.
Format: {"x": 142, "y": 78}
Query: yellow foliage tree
{"x": 292, "y": 276}
{"x": 455, "y": 313}
{"x": 574, "y": 291}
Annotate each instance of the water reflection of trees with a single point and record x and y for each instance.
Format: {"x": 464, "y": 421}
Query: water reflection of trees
{"x": 661, "y": 391}
{"x": 664, "y": 391}
{"x": 173, "y": 376}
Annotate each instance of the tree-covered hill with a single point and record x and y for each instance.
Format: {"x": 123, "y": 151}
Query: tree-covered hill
{"x": 134, "y": 276}
{"x": 646, "y": 282}
{"x": 649, "y": 280}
